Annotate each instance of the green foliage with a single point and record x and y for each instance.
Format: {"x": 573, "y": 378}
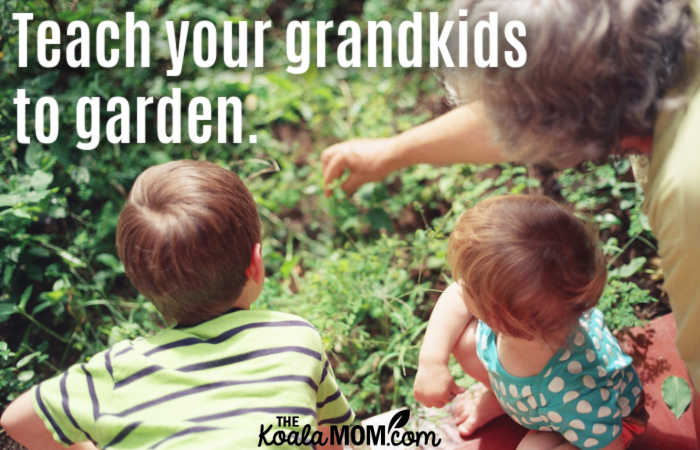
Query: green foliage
{"x": 618, "y": 303}
{"x": 606, "y": 195}
{"x": 16, "y": 374}
{"x": 677, "y": 395}
{"x": 64, "y": 293}
{"x": 364, "y": 300}
{"x": 365, "y": 270}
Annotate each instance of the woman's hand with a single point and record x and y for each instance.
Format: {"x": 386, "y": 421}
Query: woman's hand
{"x": 366, "y": 159}
{"x": 462, "y": 135}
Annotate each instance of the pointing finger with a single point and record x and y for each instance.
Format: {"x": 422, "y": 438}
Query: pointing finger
{"x": 332, "y": 170}
{"x": 327, "y": 154}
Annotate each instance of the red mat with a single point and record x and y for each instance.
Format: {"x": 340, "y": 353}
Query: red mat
{"x": 655, "y": 357}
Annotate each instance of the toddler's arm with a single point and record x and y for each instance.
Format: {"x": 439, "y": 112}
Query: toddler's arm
{"x": 434, "y": 386}
{"x": 326, "y": 432}
{"x": 24, "y": 425}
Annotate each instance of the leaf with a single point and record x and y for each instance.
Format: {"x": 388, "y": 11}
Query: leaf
{"x": 677, "y": 395}
{"x": 628, "y": 269}
{"x": 25, "y": 375}
{"x": 40, "y": 180}
{"x": 26, "y": 359}
{"x": 289, "y": 265}
{"x": 9, "y": 199}
{"x": 6, "y": 310}
{"x": 607, "y": 219}
{"x": 24, "y": 197}
{"x": 33, "y": 155}
{"x": 379, "y": 219}
{"x": 7, "y": 274}
{"x": 25, "y": 297}
{"x": 72, "y": 260}
{"x": 400, "y": 419}
{"x": 81, "y": 175}
{"x": 110, "y": 261}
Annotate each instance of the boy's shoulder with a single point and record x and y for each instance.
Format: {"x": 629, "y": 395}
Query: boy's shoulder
{"x": 276, "y": 315}
{"x": 245, "y": 326}
{"x": 262, "y": 319}
{"x": 276, "y": 325}
{"x": 304, "y": 330}
{"x": 273, "y": 317}
{"x": 171, "y": 348}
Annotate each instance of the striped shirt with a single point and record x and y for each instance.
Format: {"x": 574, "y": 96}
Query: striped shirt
{"x": 213, "y": 386}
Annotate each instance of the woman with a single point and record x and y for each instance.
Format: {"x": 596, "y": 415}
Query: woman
{"x": 602, "y": 77}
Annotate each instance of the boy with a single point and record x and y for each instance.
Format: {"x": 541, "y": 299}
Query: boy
{"x": 189, "y": 239}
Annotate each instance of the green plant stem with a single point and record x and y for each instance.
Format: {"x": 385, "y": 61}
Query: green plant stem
{"x": 646, "y": 241}
{"x": 44, "y": 328}
{"x": 65, "y": 350}
{"x": 622, "y": 250}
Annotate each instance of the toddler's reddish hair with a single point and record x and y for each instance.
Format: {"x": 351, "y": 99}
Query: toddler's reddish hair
{"x": 529, "y": 265}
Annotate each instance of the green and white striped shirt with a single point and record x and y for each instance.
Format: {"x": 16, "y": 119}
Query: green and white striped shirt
{"x": 212, "y": 386}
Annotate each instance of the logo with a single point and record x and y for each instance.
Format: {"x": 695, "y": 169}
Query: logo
{"x": 392, "y": 434}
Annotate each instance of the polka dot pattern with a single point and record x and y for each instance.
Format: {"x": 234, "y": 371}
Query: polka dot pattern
{"x": 574, "y": 367}
{"x": 566, "y": 355}
{"x": 569, "y": 396}
{"x": 532, "y": 402}
{"x": 590, "y": 355}
{"x": 556, "y": 385}
{"x": 599, "y": 428}
{"x": 554, "y": 417}
{"x": 513, "y": 390}
{"x": 571, "y": 436}
{"x": 578, "y": 424}
{"x": 590, "y": 442}
{"x": 584, "y": 392}
{"x": 583, "y": 407}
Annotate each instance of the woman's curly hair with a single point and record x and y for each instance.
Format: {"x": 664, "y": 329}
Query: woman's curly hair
{"x": 596, "y": 71}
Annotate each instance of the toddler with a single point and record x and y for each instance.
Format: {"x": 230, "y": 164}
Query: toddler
{"x": 189, "y": 238}
{"x": 521, "y": 318}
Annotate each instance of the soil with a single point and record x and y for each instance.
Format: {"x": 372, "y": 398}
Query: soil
{"x": 6, "y": 443}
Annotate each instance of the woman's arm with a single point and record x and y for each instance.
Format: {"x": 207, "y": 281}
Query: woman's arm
{"x": 462, "y": 135}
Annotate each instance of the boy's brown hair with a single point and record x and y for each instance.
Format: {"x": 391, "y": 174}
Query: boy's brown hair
{"x": 186, "y": 236}
{"x": 529, "y": 265}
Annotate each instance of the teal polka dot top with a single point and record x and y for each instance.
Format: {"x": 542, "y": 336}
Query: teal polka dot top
{"x": 584, "y": 392}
